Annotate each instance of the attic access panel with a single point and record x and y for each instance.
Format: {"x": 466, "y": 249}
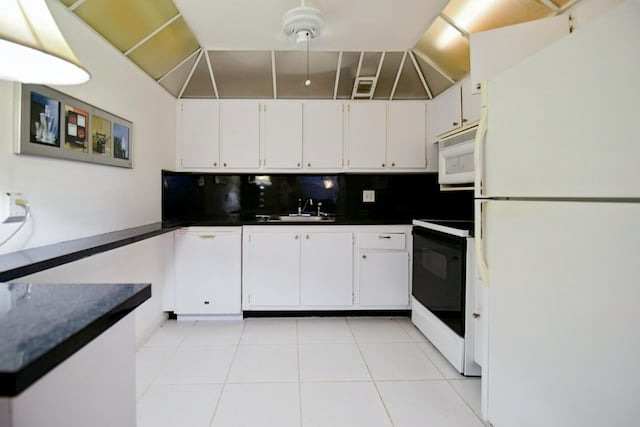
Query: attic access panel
{"x": 291, "y": 72}
{"x": 242, "y": 74}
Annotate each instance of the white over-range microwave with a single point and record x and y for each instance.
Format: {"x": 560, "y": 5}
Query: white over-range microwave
{"x": 456, "y": 162}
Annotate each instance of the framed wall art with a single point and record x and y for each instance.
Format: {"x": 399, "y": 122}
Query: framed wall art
{"x": 53, "y": 124}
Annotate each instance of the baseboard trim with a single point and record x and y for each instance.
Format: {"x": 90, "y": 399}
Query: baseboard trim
{"x": 327, "y": 313}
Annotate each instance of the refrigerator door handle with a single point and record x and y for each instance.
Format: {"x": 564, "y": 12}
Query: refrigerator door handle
{"x": 479, "y": 228}
{"x": 478, "y": 152}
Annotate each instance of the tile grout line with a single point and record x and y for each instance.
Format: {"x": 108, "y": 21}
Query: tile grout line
{"x": 448, "y": 381}
{"x": 166, "y": 362}
{"x": 226, "y": 378}
{"x": 299, "y": 373}
{"x": 375, "y": 385}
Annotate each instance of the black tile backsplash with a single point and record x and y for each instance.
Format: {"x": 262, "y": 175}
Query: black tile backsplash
{"x": 198, "y": 197}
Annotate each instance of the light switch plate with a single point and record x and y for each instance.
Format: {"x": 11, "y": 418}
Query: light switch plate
{"x": 368, "y": 196}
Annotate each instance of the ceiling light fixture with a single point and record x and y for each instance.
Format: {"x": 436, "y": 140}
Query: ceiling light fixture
{"x": 303, "y": 24}
{"x": 32, "y": 48}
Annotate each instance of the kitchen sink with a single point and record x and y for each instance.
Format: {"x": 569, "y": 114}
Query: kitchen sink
{"x": 300, "y": 218}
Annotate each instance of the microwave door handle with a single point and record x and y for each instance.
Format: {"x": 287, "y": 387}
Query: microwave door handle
{"x": 481, "y": 136}
{"x": 479, "y": 230}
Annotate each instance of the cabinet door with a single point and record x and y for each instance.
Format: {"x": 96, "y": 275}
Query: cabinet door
{"x": 281, "y": 124}
{"x": 208, "y": 272}
{"x": 240, "y": 134}
{"x": 471, "y": 103}
{"x": 198, "y": 134}
{"x": 327, "y": 266}
{"x": 322, "y": 135}
{"x": 407, "y": 134}
{"x": 367, "y": 130}
{"x": 447, "y": 110}
{"x": 384, "y": 278}
{"x": 273, "y": 269}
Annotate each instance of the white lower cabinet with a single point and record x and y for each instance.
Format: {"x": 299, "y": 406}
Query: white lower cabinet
{"x": 208, "y": 271}
{"x": 384, "y": 278}
{"x": 290, "y": 267}
{"x": 384, "y": 265}
{"x": 271, "y": 268}
{"x": 326, "y": 277}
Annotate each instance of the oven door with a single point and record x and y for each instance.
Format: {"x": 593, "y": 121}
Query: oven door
{"x": 439, "y": 265}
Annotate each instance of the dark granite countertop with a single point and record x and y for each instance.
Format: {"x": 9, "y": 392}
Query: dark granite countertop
{"x": 239, "y": 222}
{"x": 18, "y": 264}
{"x": 41, "y": 325}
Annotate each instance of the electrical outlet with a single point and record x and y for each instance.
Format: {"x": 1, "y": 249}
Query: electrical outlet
{"x": 368, "y": 196}
{"x": 12, "y": 207}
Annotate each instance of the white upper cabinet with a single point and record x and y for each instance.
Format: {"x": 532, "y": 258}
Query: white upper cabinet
{"x": 198, "y": 136}
{"x": 240, "y": 134}
{"x": 281, "y": 125}
{"x": 322, "y": 135}
{"x": 455, "y": 108}
{"x": 366, "y": 135}
{"x": 406, "y": 136}
{"x": 447, "y": 110}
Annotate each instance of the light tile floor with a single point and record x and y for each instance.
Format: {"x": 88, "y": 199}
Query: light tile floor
{"x": 309, "y": 372}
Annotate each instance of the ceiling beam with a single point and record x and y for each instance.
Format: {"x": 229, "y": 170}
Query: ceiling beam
{"x": 433, "y": 65}
{"x": 338, "y": 69}
{"x": 453, "y": 23}
{"x": 180, "y": 64}
{"x": 76, "y": 5}
{"x": 153, "y": 33}
{"x": 273, "y": 75}
{"x": 419, "y": 71}
{"x": 355, "y": 81}
{"x": 193, "y": 69}
{"x": 375, "y": 82}
{"x": 551, "y": 5}
{"x": 395, "y": 83}
{"x": 211, "y": 76}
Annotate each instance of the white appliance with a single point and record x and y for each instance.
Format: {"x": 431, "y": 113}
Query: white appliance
{"x": 443, "y": 289}
{"x": 558, "y": 230}
{"x": 455, "y": 158}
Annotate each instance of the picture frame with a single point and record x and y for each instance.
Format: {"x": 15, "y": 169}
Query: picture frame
{"x": 53, "y": 124}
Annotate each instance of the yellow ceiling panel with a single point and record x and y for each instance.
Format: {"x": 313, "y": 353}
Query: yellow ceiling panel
{"x": 126, "y": 22}
{"x": 475, "y": 15}
{"x": 166, "y": 49}
{"x": 445, "y": 46}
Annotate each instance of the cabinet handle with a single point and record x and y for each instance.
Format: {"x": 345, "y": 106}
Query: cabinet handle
{"x": 382, "y": 236}
{"x": 308, "y": 164}
{"x": 296, "y": 237}
{"x": 455, "y": 123}
{"x": 464, "y": 120}
{"x": 298, "y": 164}
{"x": 208, "y": 236}
{"x": 307, "y": 237}
{"x": 478, "y": 86}
{"x": 383, "y": 165}
{"x": 206, "y": 302}
{"x": 475, "y": 315}
{"x": 224, "y": 164}
{"x": 215, "y": 164}
{"x": 364, "y": 256}
{"x": 393, "y": 164}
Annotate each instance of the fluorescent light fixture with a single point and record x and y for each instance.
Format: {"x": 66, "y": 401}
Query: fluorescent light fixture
{"x": 32, "y": 48}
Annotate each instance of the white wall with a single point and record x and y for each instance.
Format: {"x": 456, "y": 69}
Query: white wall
{"x": 149, "y": 260}
{"x": 74, "y": 199}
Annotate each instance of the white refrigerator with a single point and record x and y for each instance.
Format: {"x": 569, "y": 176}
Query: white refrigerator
{"x": 558, "y": 230}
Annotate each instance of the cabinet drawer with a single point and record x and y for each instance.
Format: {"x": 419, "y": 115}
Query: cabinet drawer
{"x": 382, "y": 240}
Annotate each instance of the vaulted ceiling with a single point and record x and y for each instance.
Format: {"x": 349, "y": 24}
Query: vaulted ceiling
{"x": 368, "y": 49}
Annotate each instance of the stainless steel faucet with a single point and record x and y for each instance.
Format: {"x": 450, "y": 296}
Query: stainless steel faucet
{"x": 302, "y": 207}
